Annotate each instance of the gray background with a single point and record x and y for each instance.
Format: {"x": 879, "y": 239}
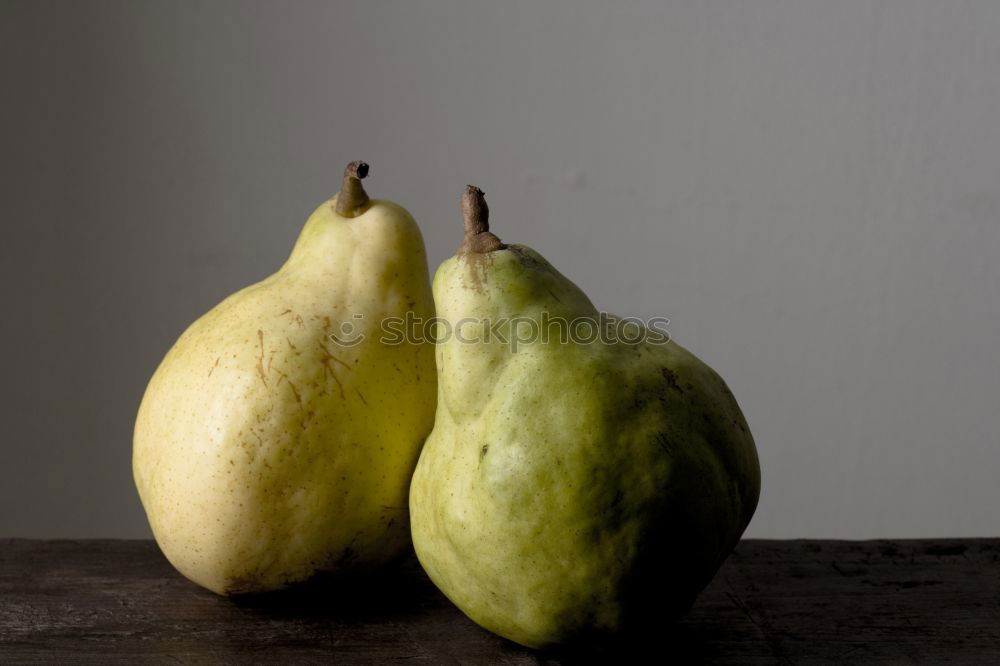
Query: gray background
{"x": 809, "y": 190}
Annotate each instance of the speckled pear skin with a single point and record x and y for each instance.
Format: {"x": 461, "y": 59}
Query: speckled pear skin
{"x": 572, "y": 494}
{"x": 263, "y": 451}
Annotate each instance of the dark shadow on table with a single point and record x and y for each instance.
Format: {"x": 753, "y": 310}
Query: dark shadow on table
{"x": 391, "y": 594}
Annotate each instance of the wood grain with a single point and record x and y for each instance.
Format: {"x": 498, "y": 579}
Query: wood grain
{"x": 774, "y": 602}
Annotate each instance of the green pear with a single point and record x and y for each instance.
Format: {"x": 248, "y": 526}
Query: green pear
{"x": 278, "y": 436}
{"x": 570, "y": 492}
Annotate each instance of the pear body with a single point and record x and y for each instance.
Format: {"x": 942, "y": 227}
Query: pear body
{"x": 264, "y": 449}
{"x": 571, "y": 493}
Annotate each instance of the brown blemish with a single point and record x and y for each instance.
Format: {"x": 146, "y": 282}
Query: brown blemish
{"x": 292, "y": 386}
{"x": 347, "y": 558}
{"x": 214, "y": 366}
{"x": 260, "y": 362}
{"x": 328, "y": 369}
{"x": 294, "y": 317}
{"x": 331, "y": 357}
{"x": 671, "y": 378}
{"x": 664, "y": 443}
{"x": 295, "y": 391}
{"x": 528, "y": 260}
{"x": 362, "y": 397}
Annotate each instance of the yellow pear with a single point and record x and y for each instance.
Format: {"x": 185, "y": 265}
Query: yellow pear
{"x": 278, "y": 436}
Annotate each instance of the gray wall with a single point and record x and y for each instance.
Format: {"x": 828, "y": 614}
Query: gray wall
{"x": 809, "y": 190}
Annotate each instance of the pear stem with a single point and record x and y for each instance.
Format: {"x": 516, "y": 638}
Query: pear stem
{"x": 352, "y": 194}
{"x": 478, "y": 238}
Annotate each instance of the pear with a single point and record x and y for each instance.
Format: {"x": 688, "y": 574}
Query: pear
{"x": 570, "y": 493}
{"x": 278, "y": 436}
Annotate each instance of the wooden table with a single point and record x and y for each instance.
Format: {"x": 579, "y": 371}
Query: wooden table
{"x": 774, "y": 602}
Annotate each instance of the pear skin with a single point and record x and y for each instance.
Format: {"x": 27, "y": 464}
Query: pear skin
{"x": 264, "y": 449}
{"x": 570, "y": 493}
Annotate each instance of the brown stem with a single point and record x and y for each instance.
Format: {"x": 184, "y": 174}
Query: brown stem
{"x": 352, "y": 194}
{"x": 478, "y": 238}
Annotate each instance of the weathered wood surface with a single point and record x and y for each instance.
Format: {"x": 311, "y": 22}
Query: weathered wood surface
{"x": 104, "y": 602}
